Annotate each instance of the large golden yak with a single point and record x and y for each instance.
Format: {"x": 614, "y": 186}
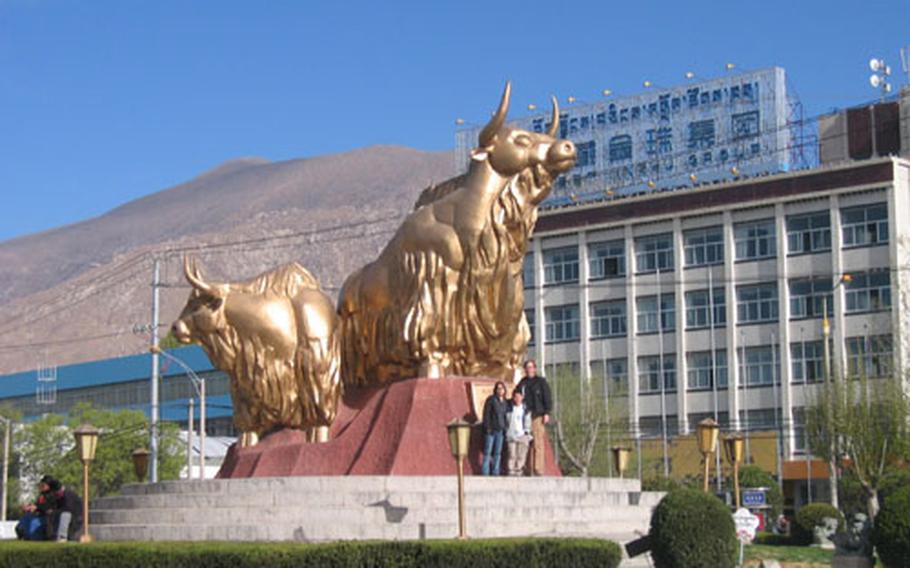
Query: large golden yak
{"x": 445, "y": 296}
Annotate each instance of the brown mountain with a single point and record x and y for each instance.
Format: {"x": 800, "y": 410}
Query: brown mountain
{"x": 75, "y": 293}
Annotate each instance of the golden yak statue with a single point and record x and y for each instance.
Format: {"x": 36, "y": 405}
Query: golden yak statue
{"x": 445, "y": 296}
{"x": 277, "y": 336}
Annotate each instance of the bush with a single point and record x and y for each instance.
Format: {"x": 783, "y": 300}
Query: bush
{"x": 690, "y": 529}
{"x": 811, "y": 516}
{"x": 891, "y": 534}
{"x": 444, "y": 554}
{"x": 753, "y": 476}
{"x": 771, "y": 539}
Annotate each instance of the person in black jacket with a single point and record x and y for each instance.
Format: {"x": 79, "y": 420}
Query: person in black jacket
{"x": 494, "y": 428}
{"x": 64, "y": 511}
{"x": 539, "y": 402}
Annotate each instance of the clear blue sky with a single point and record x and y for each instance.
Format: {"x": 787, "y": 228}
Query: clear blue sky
{"x": 104, "y": 101}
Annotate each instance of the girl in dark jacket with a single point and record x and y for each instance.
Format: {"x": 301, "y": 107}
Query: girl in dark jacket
{"x": 494, "y": 428}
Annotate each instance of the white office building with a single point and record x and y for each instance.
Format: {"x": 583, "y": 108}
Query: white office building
{"x": 708, "y": 301}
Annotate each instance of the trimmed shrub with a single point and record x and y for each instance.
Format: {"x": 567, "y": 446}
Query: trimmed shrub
{"x": 772, "y": 539}
{"x": 811, "y": 516}
{"x": 691, "y": 529}
{"x": 521, "y": 553}
{"x": 754, "y": 476}
{"x": 891, "y": 534}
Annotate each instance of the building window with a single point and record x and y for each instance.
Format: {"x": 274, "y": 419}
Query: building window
{"x": 807, "y": 361}
{"x": 809, "y": 233}
{"x": 701, "y": 372}
{"x": 704, "y": 246}
{"x": 868, "y": 292}
{"x": 562, "y": 323}
{"x": 616, "y": 372}
{"x": 560, "y": 265}
{"x": 620, "y": 148}
{"x": 808, "y": 297}
{"x": 870, "y": 356}
{"x": 608, "y": 319}
{"x": 758, "y": 365}
{"x": 800, "y": 431}
{"x": 755, "y": 240}
{"x": 745, "y": 125}
{"x": 701, "y": 134}
{"x": 866, "y": 225}
{"x": 528, "y": 271}
{"x": 607, "y": 259}
{"x": 699, "y": 304}
{"x": 647, "y": 310}
{"x": 756, "y": 303}
{"x": 649, "y": 369}
{"x": 654, "y": 253}
{"x": 586, "y": 153}
{"x": 530, "y": 317}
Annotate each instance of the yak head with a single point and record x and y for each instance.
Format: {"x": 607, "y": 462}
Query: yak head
{"x": 203, "y": 314}
{"x": 512, "y": 151}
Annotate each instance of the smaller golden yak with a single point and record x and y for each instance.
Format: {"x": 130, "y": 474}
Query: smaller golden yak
{"x": 277, "y": 336}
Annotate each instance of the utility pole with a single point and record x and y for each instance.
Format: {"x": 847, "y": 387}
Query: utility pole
{"x": 202, "y": 429}
{"x": 189, "y": 442}
{"x": 153, "y": 395}
{"x": 6, "y": 442}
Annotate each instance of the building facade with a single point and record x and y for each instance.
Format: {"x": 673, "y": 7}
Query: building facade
{"x": 658, "y": 138}
{"x": 124, "y": 383}
{"x": 709, "y": 301}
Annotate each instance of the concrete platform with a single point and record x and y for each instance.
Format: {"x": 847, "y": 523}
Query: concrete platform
{"x": 315, "y": 509}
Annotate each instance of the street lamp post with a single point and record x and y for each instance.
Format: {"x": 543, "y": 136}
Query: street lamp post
{"x": 86, "y": 443}
{"x": 141, "y": 463}
{"x": 621, "y": 459}
{"x": 826, "y": 338}
{"x": 706, "y": 433}
{"x": 199, "y": 385}
{"x": 734, "y": 446}
{"x": 8, "y": 424}
{"x": 459, "y": 439}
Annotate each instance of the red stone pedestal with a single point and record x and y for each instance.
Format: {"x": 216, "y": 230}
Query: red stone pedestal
{"x": 396, "y": 429}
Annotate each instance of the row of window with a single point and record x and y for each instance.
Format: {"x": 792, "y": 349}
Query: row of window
{"x": 755, "y": 303}
{"x": 869, "y": 356}
{"x": 753, "y": 240}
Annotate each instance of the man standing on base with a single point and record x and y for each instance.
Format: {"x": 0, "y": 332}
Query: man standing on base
{"x": 539, "y": 403}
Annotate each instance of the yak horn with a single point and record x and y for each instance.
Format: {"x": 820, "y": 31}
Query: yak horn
{"x": 554, "y": 123}
{"x": 489, "y": 131}
{"x": 194, "y": 277}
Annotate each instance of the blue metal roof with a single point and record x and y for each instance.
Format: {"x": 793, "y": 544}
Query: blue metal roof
{"x": 107, "y": 371}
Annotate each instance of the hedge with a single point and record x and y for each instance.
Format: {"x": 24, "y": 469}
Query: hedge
{"x": 521, "y": 553}
{"x": 891, "y": 534}
{"x": 692, "y": 529}
{"x": 811, "y": 516}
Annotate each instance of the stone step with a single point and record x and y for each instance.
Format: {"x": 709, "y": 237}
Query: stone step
{"x": 372, "y": 507}
{"x": 361, "y": 498}
{"x": 327, "y": 532}
{"x": 369, "y": 515}
{"x": 391, "y": 483}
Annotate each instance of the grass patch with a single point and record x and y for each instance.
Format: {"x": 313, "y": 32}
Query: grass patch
{"x": 805, "y": 555}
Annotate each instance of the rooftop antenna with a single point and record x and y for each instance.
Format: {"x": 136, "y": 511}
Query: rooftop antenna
{"x": 46, "y": 388}
{"x": 879, "y": 78}
{"x": 905, "y": 61}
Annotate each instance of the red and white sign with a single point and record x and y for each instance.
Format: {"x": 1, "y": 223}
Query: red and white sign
{"x": 746, "y": 525}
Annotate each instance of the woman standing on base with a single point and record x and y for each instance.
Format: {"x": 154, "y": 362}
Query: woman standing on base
{"x": 494, "y": 428}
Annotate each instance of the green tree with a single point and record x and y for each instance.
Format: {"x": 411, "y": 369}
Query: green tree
{"x": 866, "y": 421}
{"x": 170, "y": 342}
{"x": 48, "y": 447}
{"x": 588, "y": 420}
